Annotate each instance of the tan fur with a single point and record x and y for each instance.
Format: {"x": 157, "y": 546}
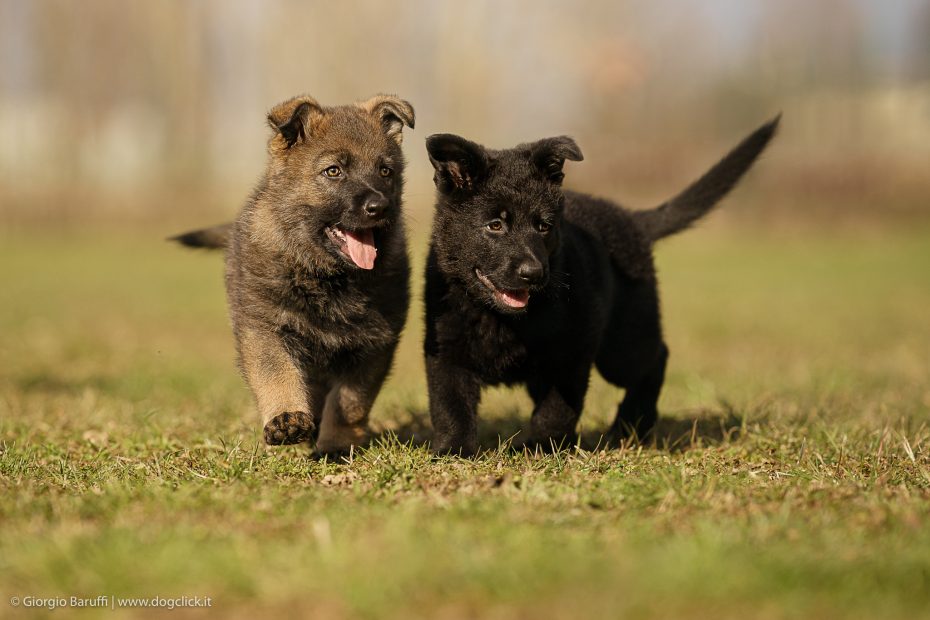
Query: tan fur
{"x": 382, "y": 105}
{"x": 345, "y": 412}
{"x": 272, "y": 375}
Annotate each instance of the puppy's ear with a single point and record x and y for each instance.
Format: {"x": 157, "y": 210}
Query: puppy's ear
{"x": 294, "y": 119}
{"x": 549, "y": 156}
{"x": 393, "y": 112}
{"x": 459, "y": 163}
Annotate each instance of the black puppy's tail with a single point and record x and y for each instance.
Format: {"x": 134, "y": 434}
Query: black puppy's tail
{"x": 216, "y": 237}
{"x": 700, "y": 197}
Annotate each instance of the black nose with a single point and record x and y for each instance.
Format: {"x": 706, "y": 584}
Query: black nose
{"x": 531, "y": 271}
{"x": 375, "y": 204}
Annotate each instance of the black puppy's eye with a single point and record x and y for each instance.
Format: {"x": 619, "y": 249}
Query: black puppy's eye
{"x": 333, "y": 172}
{"x": 385, "y": 171}
{"x": 495, "y": 226}
{"x": 544, "y": 227}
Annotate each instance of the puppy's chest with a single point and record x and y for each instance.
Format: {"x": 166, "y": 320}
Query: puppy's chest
{"x": 490, "y": 347}
{"x": 322, "y": 308}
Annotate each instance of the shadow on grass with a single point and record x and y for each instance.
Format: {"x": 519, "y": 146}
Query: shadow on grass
{"x": 698, "y": 430}
{"x": 694, "y": 429}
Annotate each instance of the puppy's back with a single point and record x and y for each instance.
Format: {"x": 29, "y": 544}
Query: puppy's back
{"x": 612, "y": 225}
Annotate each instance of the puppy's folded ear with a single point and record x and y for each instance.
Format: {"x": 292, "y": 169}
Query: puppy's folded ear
{"x": 393, "y": 112}
{"x": 549, "y": 156}
{"x": 459, "y": 163}
{"x": 294, "y": 119}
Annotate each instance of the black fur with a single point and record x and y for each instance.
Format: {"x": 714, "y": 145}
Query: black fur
{"x": 213, "y": 238}
{"x": 530, "y": 284}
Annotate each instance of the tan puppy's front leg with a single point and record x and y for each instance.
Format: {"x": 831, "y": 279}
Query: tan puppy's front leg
{"x": 289, "y": 409}
{"x": 345, "y": 414}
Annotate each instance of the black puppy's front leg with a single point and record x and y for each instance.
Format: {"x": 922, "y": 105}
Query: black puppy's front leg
{"x": 454, "y": 394}
{"x": 558, "y": 407}
{"x": 637, "y": 414}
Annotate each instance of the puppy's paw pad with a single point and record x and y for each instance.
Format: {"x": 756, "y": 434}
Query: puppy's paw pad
{"x": 289, "y": 428}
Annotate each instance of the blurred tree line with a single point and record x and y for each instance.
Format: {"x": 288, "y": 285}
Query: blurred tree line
{"x": 132, "y": 107}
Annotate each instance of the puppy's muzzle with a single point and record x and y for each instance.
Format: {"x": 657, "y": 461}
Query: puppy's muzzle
{"x": 532, "y": 272}
{"x": 374, "y": 205}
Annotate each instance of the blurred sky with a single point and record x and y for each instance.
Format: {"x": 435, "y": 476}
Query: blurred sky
{"x": 126, "y": 99}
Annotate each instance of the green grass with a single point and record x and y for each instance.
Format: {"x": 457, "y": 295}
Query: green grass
{"x": 791, "y": 479}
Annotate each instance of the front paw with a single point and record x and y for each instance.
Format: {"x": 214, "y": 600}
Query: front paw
{"x": 621, "y": 433}
{"x": 289, "y": 428}
{"x": 548, "y": 445}
{"x": 465, "y": 448}
{"x": 337, "y": 441}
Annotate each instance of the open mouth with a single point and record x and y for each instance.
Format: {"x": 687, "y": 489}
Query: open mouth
{"x": 356, "y": 245}
{"x": 512, "y": 298}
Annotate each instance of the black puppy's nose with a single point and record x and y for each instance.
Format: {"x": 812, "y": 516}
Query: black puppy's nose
{"x": 375, "y": 204}
{"x": 531, "y": 271}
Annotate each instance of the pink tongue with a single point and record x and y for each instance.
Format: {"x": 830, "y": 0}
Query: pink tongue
{"x": 515, "y": 299}
{"x": 361, "y": 246}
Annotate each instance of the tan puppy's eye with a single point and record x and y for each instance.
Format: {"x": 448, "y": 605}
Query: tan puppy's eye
{"x": 333, "y": 172}
{"x": 495, "y": 226}
{"x": 385, "y": 171}
{"x": 544, "y": 227}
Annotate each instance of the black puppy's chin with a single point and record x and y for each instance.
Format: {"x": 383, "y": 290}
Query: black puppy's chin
{"x": 510, "y": 301}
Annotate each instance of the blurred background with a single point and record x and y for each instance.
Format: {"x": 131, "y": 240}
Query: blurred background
{"x": 121, "y": 112}
{"x": 796, "y": 314}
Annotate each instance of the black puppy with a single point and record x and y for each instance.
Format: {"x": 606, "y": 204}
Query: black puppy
{"x": 527, "y": 283}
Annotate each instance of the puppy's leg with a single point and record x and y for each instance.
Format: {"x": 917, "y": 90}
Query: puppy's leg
{"x": 454, "y": 394}
{"x": 637, "y": 414}
{"x": 558, "y": 407}
{"x": 345, "y": 414}
{"x": 288, "y": 409}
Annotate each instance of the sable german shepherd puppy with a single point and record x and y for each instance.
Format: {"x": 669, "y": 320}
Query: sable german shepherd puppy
{"x": 530, "y": 284}
{"x": 317, "y": 270}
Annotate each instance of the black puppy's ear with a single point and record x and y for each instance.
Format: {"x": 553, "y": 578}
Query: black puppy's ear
{"x": 293, "y": 119}
{"x": 393, "y": 112}
{"x": 549, "y": 156}
{"x": 459, "y": 163}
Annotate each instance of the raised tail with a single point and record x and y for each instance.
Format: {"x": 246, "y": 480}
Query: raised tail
{"x": 216, "y": 237}
{"x": 700, "y": 197}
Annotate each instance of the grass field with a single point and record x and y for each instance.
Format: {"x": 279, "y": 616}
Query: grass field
{"x": 791, "y": 478}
